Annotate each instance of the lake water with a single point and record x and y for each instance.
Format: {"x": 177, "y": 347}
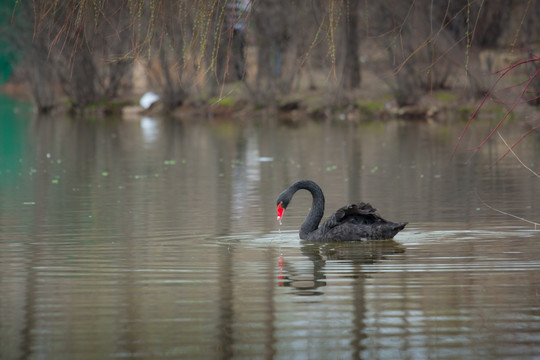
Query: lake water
{"x": 155, "y": 238}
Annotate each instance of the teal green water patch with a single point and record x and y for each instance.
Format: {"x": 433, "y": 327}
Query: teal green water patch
{"x": 5, "y": 69}
{"x": 14, "y": 117}
{"x": 9, "y": 53}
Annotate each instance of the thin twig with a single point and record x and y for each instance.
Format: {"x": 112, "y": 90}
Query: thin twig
{"x": 518, "y": 141}
{"x": 222, "y": 97}
{"x": 517, "y": 157}
{"x": 536, "y": 225}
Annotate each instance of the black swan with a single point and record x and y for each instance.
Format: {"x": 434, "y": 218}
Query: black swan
{"x": 350, "y": 223}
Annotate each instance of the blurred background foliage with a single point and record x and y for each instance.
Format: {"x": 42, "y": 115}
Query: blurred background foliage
{"x": 84, "y": 53}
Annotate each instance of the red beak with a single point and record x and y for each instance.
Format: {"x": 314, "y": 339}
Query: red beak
{"x": 280, "y": 211}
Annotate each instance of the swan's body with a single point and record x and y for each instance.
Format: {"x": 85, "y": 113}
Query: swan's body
{"x": 353, "y": 222}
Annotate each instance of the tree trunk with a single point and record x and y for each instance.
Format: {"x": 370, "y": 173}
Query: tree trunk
{"x": 351, "y": 76}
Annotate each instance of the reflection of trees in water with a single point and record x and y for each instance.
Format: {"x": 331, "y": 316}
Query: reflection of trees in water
{"x": 217, "y": 171}
{"x": 191, "y": 197}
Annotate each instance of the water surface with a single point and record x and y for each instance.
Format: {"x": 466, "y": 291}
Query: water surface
{"x": 156, "y": 239}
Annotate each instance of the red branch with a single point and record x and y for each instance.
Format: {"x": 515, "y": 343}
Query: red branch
{"x": 502, "y": 73}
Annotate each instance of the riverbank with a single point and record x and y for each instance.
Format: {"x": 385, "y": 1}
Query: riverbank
{"x": 317, "y": 100}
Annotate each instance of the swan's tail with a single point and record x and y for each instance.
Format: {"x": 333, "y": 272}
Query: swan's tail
{"x": 400, "y": 226}
{"x": 394, "y": 228}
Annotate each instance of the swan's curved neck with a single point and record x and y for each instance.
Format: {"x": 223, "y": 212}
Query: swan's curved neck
{"x": 311, "y": 223}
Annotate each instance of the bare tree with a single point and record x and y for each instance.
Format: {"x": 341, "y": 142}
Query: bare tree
{"x": 41, "y": 79}
{"x": 84, "y": 51}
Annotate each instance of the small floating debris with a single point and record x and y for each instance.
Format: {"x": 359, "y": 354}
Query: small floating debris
{"x": 266, "y": 159}
{"x": 331, "y": 168}
{"x": 29, "y": 203}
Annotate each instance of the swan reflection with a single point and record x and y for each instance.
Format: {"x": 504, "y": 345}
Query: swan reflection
{"x": 347, "y": 256}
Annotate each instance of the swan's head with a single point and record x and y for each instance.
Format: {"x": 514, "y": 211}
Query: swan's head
{"x": 282, "y": 202}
